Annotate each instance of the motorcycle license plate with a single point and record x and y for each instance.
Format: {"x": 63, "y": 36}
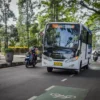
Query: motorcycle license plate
{"x": 57, "y": 63}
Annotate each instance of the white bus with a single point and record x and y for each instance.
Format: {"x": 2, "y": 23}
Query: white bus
{"x": 66, "y": 46}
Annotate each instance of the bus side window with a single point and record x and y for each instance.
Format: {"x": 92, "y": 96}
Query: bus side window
{"x": 90, "y": 39}
{"x": 87, "y": 37}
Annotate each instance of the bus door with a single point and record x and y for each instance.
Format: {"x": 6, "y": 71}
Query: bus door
{"x": 84, "y": 46}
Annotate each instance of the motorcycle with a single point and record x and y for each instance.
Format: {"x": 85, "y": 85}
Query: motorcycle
{"x": 95, "y": 56}
{"x": 29, "y": 62}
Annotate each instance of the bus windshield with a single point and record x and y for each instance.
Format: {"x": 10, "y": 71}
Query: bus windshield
{"x": 62, "y": 35}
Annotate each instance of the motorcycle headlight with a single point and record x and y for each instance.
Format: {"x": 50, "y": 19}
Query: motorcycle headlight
{"x": 72, "y": 59}
{"x": 47, "y": 58}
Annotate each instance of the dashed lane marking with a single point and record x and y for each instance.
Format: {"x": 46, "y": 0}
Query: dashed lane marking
{"x": 32, "y": 98}
{"x": 72, "y": 75}
{"x": 51, "y": 87}
{"x": 64, "y": 80}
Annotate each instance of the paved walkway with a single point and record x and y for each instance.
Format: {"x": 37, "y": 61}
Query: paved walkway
{"x": 17, "y": 58}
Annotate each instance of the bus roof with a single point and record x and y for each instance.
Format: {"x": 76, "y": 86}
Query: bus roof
{"x": 63, "y": 22}
{"x": 70, "y": 23}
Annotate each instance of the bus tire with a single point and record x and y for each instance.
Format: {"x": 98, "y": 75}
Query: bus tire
{"x": 49, "y": 69}
{"x": 87, "y": 66}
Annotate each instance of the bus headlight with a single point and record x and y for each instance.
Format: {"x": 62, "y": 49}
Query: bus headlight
{"x": 72, "y": 59}
{"x": 47, "y": 58}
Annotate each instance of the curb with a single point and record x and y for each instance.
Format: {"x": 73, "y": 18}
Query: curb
{"x": 5, "y": 65}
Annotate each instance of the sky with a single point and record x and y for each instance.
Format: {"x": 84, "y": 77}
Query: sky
{"x": 14, "y": 8}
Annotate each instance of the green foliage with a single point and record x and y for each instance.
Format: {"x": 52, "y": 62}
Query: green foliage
{"x": 25, "y": 21}
{"x": 5, "y": 8}
{"x": 2, "y": 49}
{"x": 52, "y": 10}
{"x": 94, "y": 41}
{"x": 9, "y": 50}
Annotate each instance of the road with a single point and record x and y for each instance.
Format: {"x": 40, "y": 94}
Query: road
{"x": 20, "y": 83}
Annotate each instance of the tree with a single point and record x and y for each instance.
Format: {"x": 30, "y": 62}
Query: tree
{"x": 56, "y": 10}
{"x": 93, "y": 21}
{"x": 93, "y": 5}
{"x": 5, "y": 14}
{"x": 94, "y": 41}
{"x": 26, "y": 17}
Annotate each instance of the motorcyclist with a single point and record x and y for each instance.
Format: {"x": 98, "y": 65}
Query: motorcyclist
{"x": 95, "y": 56}
{"x": 32, "y": 54}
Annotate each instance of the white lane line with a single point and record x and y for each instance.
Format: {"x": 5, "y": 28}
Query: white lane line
{"x": 64, "y": 80}
{"x": 72, "y": 75}
{"x": 32, "y": 98}
{"x": 49, "y": 88}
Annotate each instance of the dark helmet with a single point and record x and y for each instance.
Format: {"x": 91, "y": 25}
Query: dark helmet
{"x": 32, "y": 49}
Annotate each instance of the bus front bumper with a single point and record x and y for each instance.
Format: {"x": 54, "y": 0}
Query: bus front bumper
{"x": 61, "y": 65}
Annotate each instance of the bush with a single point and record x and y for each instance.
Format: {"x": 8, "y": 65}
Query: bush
{"x": 9, "y": 50}
{"x": 2, "y": 49}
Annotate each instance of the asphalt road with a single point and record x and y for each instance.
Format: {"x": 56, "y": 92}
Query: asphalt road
{"x": 20, "y": 83}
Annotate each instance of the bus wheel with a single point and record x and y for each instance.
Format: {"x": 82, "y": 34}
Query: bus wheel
{"x": 87, "y": 66}
{"x": 49, "y": 69}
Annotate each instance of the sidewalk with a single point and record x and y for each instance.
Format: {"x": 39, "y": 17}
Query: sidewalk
{"x": 17, "y": 61}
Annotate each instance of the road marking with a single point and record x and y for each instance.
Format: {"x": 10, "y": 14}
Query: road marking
{"x": 64, "y": 80}
{"x": 61, "y": 96}
{"x": 51, "y": 87}
{"x": 72, "y": 75}
{"x": 32, "y": 98}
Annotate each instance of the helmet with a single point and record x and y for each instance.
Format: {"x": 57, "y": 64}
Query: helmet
{"x": 32, "y": 49}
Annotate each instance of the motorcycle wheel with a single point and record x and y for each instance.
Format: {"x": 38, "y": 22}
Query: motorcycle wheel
{"x": 95, "y": 59}
{"x": 26, "y": 64}
{"x": 33, "y": 64}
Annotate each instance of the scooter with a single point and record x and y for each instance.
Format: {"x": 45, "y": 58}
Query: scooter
{"x": 95, "y": 57}
{"x": 29, "y": 62}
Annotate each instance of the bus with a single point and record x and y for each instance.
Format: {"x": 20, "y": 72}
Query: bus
{"x": 66, "y": 45}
